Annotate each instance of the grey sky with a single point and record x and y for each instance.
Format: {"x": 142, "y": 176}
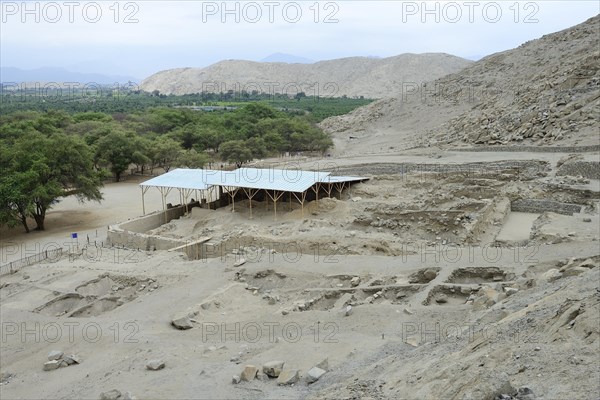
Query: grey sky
{"x": 144, "y": 37}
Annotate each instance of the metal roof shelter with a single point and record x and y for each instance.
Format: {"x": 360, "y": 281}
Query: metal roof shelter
{"x": 339, "y": 182}
{"x": 184, "y": 180}
{"x": 274, "y": 182}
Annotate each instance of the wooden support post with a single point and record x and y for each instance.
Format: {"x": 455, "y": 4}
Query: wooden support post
{"x": 275, "y": 198}
{"x": 144, "y": 190}
{"x": 250, "y": 196}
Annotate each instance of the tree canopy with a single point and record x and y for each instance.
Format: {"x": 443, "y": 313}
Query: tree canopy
{"x": 38, "y": 170}
{"x": 47, "y": 155}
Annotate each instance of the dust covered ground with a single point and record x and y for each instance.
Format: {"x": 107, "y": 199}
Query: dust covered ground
{"x": 419, "y": 283}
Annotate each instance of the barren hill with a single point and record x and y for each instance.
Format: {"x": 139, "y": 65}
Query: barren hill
{"x": 545, "y": 92}
{"x": 354, "y": 76}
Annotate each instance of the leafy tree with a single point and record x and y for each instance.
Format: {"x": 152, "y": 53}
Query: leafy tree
{"x": 116, "y": 150}
{"x": 92, "y": 116}
{"x": 235, "y": 151}
{"x": 257, "y": 147}
{"x": 209, "y": 138}
{"x": 165, "y": 152}
{"x": 192, "y": 159}
{"x": 142, "y": 155}
{"x": 38, "y": 170}
{"x": 15, "y": 204}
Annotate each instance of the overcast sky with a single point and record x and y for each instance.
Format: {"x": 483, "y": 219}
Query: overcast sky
{"x": 139, "y": 38}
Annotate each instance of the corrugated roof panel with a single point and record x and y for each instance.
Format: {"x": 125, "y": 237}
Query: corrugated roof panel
{"x": 340, "y": 179}
{"x": 285, "y": 180}
{"x": 181, "y": 178}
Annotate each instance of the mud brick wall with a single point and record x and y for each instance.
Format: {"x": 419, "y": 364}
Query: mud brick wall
{"x": 587, "y": 169}
{"x": 541, "y": 206}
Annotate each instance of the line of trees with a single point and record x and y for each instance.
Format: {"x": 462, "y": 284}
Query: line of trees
{"x": 127, "y": 99}
{"x": 45, "y": 156}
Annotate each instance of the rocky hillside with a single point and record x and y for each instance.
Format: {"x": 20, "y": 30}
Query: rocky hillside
{"x": 354, "y": 76}
{"x": 545, "y": 92}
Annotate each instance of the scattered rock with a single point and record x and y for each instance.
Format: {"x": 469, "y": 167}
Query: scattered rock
{"x": 323, "y": 364}
{"x": 288, "y": 377}
{"x": 235, "y": 379}
{"x": 525, "y": 393}
{"x": 261, "y": 376}
{"x": 588, "y": 263}
{"x": 51, "y": 365}
{"x": 239, "y": 262}
{"x": 587, "y": 220}
{"x": 314, "y": 374}
{"x": 574, "y": 271}
{"x": 72, "y": 359}
{"x": 55, "y": 355}
{"x": 551, "y": 275}
{"x": 155, "y": 365}
{"x": 249, "y": 373}
{"x": 407, "y": 311}
{"x": 348, "y": 311}
{"x": 273, "y": 368}
{"x": 430, "y": 274}
{"x": 111, "y": 395}
{"x": 5, "y": 377}
{"x": 182, "y": 323}
{"x": 354, "y": 282}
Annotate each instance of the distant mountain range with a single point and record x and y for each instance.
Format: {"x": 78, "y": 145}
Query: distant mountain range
{"x": 286, "y": 58}
{"x": 544, "y": 92}
{"x": 352, "y": 76}
{"x": 54, "y": 74}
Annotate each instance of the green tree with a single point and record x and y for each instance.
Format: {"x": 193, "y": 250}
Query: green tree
{"x": 165, "y": 152}
{"x": 142, "y": 155}
{"x": 116, "y": 151}
{"x": 39, "y": 170}
{"x": 192, "y": 159}
{"x": 235, "y": 151}
{"x": 15, "y": 203}
{"x": 257, "y": 147}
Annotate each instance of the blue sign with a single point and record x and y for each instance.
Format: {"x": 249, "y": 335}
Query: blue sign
{"x": 73, "y": 236}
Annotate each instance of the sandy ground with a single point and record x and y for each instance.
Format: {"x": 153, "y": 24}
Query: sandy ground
{"x": 438, "y": 307}
{"x": 517, "y": 227}
{"x": 122, "y": 201}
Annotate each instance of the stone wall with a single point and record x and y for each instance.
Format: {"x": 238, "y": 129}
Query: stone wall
{"x": 533, "y": 149}
{"x": 587, "y": 169}
{"x": 541, "y": 206}
{"x": 132, "y": 233}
